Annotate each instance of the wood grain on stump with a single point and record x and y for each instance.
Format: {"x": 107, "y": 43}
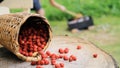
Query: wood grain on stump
{"x": 84, "y": 55}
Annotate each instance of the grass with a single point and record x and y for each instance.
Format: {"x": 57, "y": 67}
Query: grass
{"x": 86, "y": 7}
{"x": 105, "y": 35}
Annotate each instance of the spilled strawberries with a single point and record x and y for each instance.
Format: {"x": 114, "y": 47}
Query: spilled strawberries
{"x": 49, "y": 58}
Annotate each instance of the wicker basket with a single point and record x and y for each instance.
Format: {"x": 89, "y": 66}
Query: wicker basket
{"x": 10, "y": 26}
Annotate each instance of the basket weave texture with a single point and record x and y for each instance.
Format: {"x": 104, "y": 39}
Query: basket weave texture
{"x": 10, "y": 25}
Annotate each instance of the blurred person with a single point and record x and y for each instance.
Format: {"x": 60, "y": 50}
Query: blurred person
{"x": 55, "y": 4}
{"x": 39, "y": 10}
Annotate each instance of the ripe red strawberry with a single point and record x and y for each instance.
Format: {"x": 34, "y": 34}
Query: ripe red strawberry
{"x": 48, "y": 53}
{"x": 38, "y": 66}
{"x": 53, "y": 62}
{"x": 39, "y": 49}
{"x": 73, "y": 57}
{"x": 44, "y": 56}
{"x": 30, "y": 54}
{"x": 65, "y": 58}
{"x": 57, "y": 66}
{"x": 35, "y": 49}
{"x": 39, "y": 62}
{"x": 60, "y": 56}
{"x": 61, "y": 65}
{"x": 53, "y": 56}
{"x": 95, "y": 55}
{"x": 42, "y": 62}
{"x": 42, "y": 46}
{"x": 78, "y": 47}
{"x": 70, "y": 59}
{"x": 61, "y": 51}
{"x": 33, "y": 63}
{"x": 41, "y": 52}
{"x": 26, "y": 54}
{"x": 66, "y": 50}
{"x": 46, "y": 62}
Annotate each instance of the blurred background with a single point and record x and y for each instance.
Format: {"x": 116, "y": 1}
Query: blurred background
{"x": 106, "y": 17}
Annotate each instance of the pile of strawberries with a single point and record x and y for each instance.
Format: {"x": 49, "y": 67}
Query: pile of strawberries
{"x": 51, "y": 58}
{"x": 32, "y": 39}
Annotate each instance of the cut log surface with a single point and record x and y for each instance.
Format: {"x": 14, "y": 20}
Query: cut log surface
{"x": 84, "y": 55}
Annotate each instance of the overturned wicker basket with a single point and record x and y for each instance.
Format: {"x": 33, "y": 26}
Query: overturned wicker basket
{"x": 12, "y": 24}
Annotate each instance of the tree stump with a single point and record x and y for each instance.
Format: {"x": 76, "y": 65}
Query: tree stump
{"x": 84, "y": 55}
